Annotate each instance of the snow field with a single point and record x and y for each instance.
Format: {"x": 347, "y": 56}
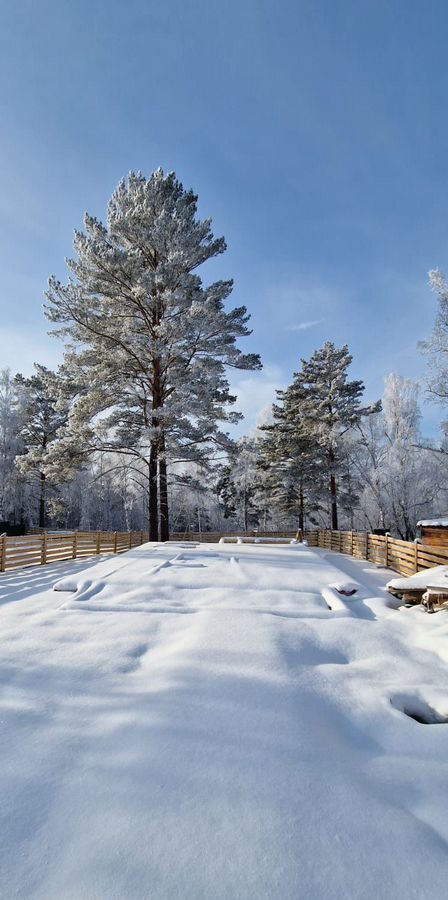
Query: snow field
{"x": 194, "y": 722}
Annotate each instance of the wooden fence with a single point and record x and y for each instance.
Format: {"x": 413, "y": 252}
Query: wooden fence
{"x": 405, "y": 557}
{"x": 42, "y": 548}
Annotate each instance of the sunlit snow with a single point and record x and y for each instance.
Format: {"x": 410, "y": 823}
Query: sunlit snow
{"x": 217, "y": 722}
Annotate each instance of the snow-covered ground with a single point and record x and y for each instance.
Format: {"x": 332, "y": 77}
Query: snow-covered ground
{"x": 195, "y": 723}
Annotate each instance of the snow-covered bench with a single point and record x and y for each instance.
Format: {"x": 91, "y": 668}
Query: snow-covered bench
{"x": 413, "y": 588}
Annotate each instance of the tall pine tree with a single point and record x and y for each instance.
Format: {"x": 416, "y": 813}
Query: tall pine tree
{"x": 150, "y": 343}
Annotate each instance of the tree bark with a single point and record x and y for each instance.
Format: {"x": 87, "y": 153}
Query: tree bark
{"x": 153, "y": 493}
{"x": 334, "y": 504}
{"x": 245, "y": 509}
{"x": 154, "y": 450}
{"x": 333, "y": 493}
{"x": 163, "y": 488}
{"x": 42, "y": 502}
{"x": 301, "y": 516}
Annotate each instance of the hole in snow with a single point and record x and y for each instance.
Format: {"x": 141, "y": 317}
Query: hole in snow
{"x": 419, "y": 710}
{"x": 346, "y": 588}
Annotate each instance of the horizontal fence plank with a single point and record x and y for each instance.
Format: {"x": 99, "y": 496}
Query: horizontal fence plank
{"x": 405, "y": 557}
{"x": 438, "y": 555}
{"x": 23, "y": 551}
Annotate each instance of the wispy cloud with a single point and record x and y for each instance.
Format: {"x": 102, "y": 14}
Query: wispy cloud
{"x": 303, "y": 326}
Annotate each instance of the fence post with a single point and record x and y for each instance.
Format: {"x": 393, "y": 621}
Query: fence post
{"x": 75, "y": 543}
{"x": 115, "y": 541}
{"x": 141, "y": 538}
{"x": 43, "y": 551}
{"x": 351, "y": 542}
{"x": 387, "y": 551}
{"x": 340, "y": 542}
{"x": 3, "y": 553}
{"x": 98, "y": 541}
{"x": 416, "y": 556}
{"x": 130, "y": 539}
{"x": 367, "y": 544}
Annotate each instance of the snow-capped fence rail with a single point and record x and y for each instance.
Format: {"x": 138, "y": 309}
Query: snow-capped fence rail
{"x": 47, "y": 547}
{"x": 406, "y": 557}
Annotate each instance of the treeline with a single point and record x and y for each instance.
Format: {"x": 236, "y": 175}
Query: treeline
{"x": 131, "y": 432}
{"x": 323, "y": 460}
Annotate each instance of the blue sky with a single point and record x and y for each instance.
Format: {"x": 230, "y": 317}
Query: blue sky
{"x": 315, "y": 134}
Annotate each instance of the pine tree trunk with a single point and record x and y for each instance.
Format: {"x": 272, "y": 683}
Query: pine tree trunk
{"x": 333, "y": 493}
{"x": 163, "y": 488}
{"x": 42, "y": 503}
{"x": 334, "y": 503}
{"x": 154, "y": 450}
{"x": 301, "y": 516}
{"x": 153, "y": 493}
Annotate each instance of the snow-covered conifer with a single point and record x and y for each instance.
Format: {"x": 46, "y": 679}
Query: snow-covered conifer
{"x": 324, "y": 406}
{"x": 149, "y": 343}
{"x": 42, "y": 418}
{"x": 11, "y": 418}
{"x": 291, "y": 456}
{"x": 237, "y": 484}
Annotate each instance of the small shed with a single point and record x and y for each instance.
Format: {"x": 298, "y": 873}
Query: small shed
{"x": 433, "y": 532}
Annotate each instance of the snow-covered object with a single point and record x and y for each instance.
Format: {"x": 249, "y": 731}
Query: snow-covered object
{"x": 69, "y": 583}
{"x": 434, "y": 523}
{"x": 346, "y": 588}
{"x": 436, "y": 576}
{"x": 197, "y": 723}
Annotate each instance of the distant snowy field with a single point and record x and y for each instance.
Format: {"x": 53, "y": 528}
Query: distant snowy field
{"x": 194, "y": 723}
